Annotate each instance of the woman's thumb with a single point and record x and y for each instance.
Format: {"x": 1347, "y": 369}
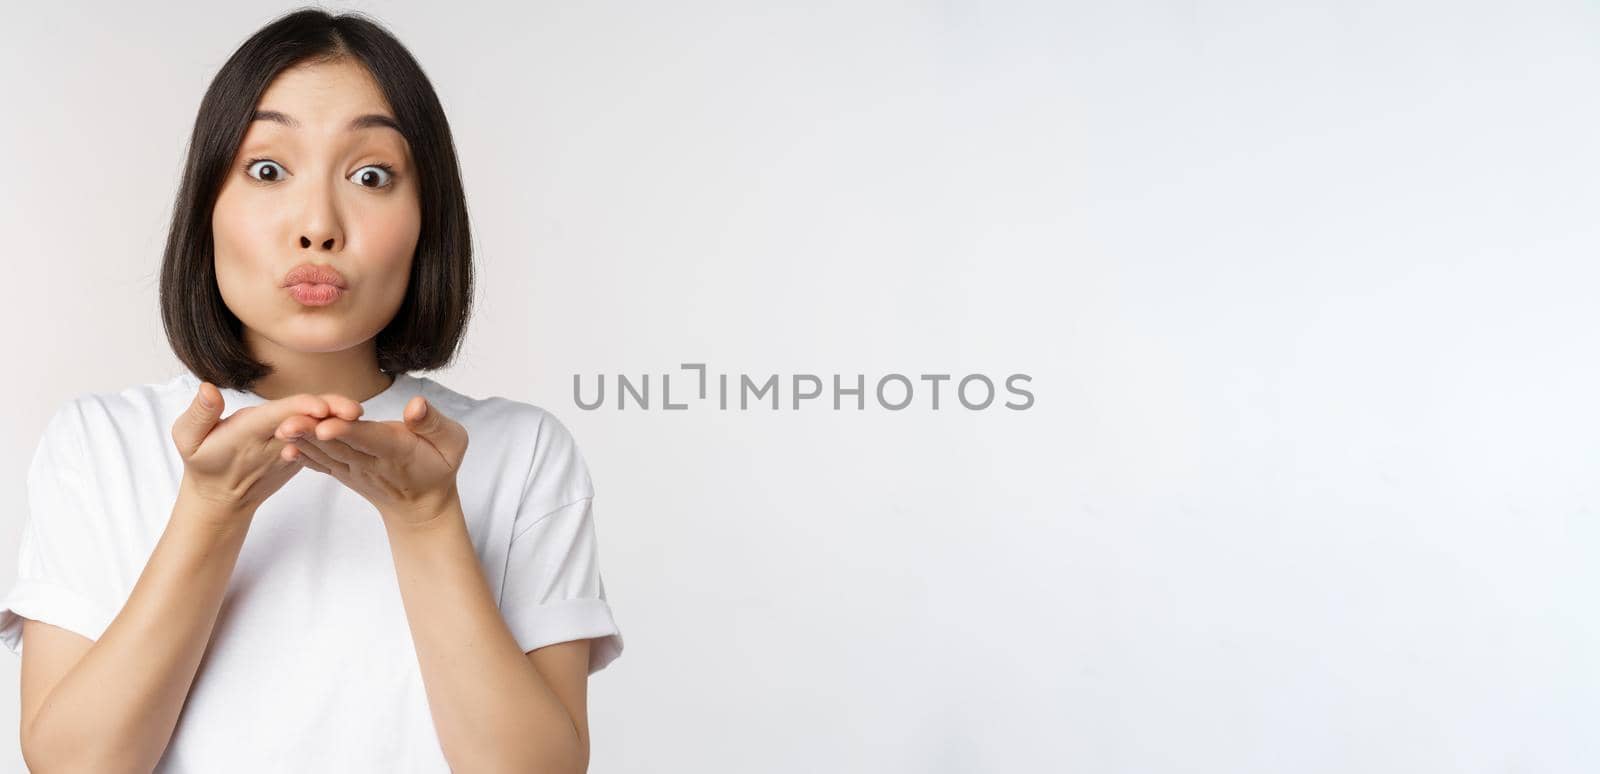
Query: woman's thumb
{"x": 197, "y": 421}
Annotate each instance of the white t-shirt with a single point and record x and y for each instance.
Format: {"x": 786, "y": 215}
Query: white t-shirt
{"x": 311, "y": 666}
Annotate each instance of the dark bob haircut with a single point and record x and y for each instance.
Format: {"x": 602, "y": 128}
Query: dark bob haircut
{"x": 427, "y": 329}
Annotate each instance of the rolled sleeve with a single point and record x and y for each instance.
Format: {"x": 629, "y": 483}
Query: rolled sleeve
{"x": 51, "y": 603}
{"x": 58, "y": 564}
{"x": 553, "y": 591}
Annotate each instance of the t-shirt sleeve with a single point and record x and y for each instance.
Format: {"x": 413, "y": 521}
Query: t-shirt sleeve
{"x": 553, "y": 591}
{"x": 57, "y": 569}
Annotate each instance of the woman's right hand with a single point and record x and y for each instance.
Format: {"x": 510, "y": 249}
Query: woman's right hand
{"x": 237, "y": 463}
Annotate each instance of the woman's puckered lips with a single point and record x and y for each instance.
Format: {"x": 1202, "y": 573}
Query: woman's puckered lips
{"x": 316, "y": 274}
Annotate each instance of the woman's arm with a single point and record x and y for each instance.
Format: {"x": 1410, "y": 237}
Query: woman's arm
{"x": 115, "y": 709}
{"x": 492, "y": 707}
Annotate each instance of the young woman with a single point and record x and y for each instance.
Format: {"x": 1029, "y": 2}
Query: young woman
{"x": 329, "y": 578}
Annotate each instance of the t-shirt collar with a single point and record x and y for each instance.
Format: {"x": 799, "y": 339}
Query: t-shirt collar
{"x": 385, "y": 405}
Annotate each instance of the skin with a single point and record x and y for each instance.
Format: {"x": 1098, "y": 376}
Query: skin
{"x": 324, "y": 204}
{"x": 316, "y": 198}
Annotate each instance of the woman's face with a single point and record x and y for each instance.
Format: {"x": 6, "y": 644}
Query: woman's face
{"x": 312, "y": 194}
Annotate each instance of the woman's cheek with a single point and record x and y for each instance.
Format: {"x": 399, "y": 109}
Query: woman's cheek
{"x": 388, "y": 240}
{"x": 231, "y": 237}
{"x": 390, "y": 229}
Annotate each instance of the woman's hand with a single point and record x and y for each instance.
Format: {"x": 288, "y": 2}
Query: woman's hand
{"x": 406, "y": 469}
{"x": 236, "y": 463}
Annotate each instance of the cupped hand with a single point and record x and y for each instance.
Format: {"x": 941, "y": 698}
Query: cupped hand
{"x": 236, "y": 463}
{"x": 406, "y": 468}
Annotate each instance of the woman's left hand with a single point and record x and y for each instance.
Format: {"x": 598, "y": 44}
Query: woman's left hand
{"x": 407, "y": 469}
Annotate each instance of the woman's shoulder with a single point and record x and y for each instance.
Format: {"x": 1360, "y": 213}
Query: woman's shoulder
{"x": 128, "y": 405}
{"x": 491, "y": 410}
{"x": 125, "y": 417}
{"x": 536, "y": 432}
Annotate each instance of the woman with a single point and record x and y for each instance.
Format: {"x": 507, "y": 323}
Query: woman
{"x": 186, "y": 599}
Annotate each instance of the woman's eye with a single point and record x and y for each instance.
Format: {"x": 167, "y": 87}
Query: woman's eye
{"x": 373, "y": 176}
{"x": 369, "y": 176}
{"x": 270, "y": 169}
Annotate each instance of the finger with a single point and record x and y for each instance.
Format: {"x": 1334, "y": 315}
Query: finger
{"x": 314, "y": 454}
{"x": 198, "y": 420}
{"x": 376, "y": 439}
{"x": 340, "y": 451}
{"x": 265, "y": 420}
{"x": 291, "y": 454}
{"x": 343, "y": 407}
{"x": 424, "y": 419}
{"x": 301, "y": 424}
{"x": 310, "y": 463}
{"x": 295, "y": 427}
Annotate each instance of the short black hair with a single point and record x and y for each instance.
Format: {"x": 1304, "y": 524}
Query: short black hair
{"x": 426, "y": 331}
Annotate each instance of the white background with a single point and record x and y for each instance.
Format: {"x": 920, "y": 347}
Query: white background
{"x": 1307, "y": 294}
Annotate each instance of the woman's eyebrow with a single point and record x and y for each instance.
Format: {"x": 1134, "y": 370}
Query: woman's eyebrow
{"x": 368, "y": 121}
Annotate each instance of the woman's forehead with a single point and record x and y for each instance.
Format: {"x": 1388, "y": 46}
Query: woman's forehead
{"x": 337, "y": 102}
{"x": 324, "y": 96}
